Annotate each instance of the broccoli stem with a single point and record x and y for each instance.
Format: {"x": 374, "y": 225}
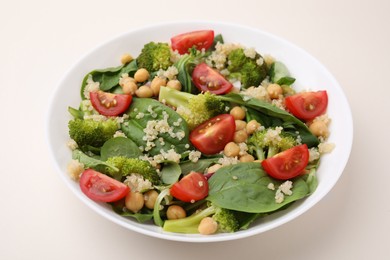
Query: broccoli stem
{"x": 173, "y": 97}
{"x": 272, "y": 150}
{"x": 189, "y": 224}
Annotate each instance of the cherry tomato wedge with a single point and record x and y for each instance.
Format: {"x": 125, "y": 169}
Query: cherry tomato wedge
{"x": 109, "y": 104}
{"x": 100, "y": 187}
{"x": 307, "y": 105}
{"x": 211, "y": 136}
{"x": 287, "y": 164}
{"x": 206, "y": 78}
{"x": 190, "y": 188}
{"x": 200, "y": 39}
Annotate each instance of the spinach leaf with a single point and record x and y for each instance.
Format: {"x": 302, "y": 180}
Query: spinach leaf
{"x": 90, "y": 162}
{"x": 142, "y": 216}
{"x": 244, "y": 187}
{"x": 184, "y": 66}
{"x": 271, "y": 116}
{"x": 119, "y": 146}
{"x": 200, "y": 166}
{"x": 109, "y": 77}
{"x": 279, "y": 74}
{"x": 170, "y": 172}
{"x": 152, "y": 122}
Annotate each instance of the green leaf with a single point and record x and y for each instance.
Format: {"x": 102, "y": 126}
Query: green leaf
{"x": 280, "y": 74}
{"x": 119, "y": 146}
{"x": 200, "y": 166}
{"x": 109, "y": 77}
{"x": 244, "y": 187}
{"x": 90, "y": 162}
{"x": 170, "y": 172}
{"x": 153, "y": 111}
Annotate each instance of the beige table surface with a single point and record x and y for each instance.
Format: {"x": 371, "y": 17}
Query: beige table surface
{"x": 40, "y": 218}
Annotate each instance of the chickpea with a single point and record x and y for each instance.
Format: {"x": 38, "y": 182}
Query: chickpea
{"x": 274, "y": 91}
{"x": 141, "y": 75}
{"x": 134, "y": 201}
{"x": 144, "y": 92}
{"x": 175, "y": 84}
{"x": 157, "y": 82}
{"x": 247, "y": 158}
{"x": 240, "y": 125}
{"x": 231, "y": 149}
{"x": 252, "y": 126}
{"x": 240, "y": 136}
{"x": 126, "y": 58}
{"x": 129, "y": 86}
{"x": 150, "y": 198}
{"x": 238, "y": 113}
{"x": 214, "y": 168}
{"x": 176, "y": 212}
{"x": 207, "y": 226}
{"x": 319, "y": 128}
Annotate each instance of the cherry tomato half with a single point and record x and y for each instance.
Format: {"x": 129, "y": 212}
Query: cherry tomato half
{"x": 200, "y": 39}
{"x": 190, "y": 188}
{"x": 287, "y": 164}
{"x": 109, "y": 104}
{"x": 206, "y": 78}
{"x": 100, "y": 187}
{"x": 307, "y": 105}
{"x": 211, "y": 136}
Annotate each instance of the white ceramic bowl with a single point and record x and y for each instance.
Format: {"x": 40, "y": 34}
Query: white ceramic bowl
{"x": 310, "y": 74}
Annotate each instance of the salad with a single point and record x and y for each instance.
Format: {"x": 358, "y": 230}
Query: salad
{"x": 197, "y": 135}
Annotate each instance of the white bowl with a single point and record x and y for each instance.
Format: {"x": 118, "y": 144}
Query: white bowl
{"x": 310, "y": 74}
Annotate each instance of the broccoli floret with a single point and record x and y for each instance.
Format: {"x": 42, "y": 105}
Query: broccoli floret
{"x": 89, "y": 132}
{"x": 128, "y": 166}
{"x": 268, "y": 142}
{"x": 195, "y": 109}
{"x": 250, "y": 72}
{"x": 155, "y": 56}
{"x": 227, "y": 221}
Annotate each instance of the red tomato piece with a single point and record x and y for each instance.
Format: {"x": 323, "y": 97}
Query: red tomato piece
{"x": 191, "y": 188}
{"x": 109, "y": 104}
{"x": 206, "y": 78}
{"x": 100, "y": 187}
{"x": 287, "y": 164}
{"x": 200, "y": 39}
{"x": 307, "y": 105}
{"x": 211, "y": 136}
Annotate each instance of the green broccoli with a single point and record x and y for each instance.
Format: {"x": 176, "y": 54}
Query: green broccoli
{"x": 250, "y": 71}
{"x": 89, "y": 132}
{"x": 128, "y": 166}
{"x": 155, "y": 56}
{"x": 195, "y": 109}
{"x": 268, "y": 142}
{"x": 226, "y": 219}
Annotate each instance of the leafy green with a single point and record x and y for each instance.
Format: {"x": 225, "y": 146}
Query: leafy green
{"x": 109, "y": 77}
{"x": 279, "y": 74}
{"x": 90, "y": 162}
{"x": 170, "y": 172}
{"x": 119, "y": 146}
{"x": 244, "y": 187}
{"x": 152, "y": 111}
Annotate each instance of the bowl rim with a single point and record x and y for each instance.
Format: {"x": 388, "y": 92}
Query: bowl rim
{"x": 96, "y": 207}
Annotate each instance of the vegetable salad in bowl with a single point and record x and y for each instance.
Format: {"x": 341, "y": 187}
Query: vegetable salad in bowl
{"x": 197, "y": 135}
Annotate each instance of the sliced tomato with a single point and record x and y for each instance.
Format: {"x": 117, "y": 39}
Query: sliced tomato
{"x": 191, "y": 188}
{"x": 211, "y": 136}
{"x": 200, "y": 39}
{"x": 206, "y": 78}
{"x": 287, "y": 164}
{"x": 307, "y": 105}
{"x": 109, "y": 104}
{"x": 100, "y": 187}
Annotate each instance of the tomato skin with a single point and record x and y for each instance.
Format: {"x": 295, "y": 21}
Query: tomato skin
{"x": 100, "y": 187}
{"x": 109, "y": 104}
{"x": 307, "y": 105}
{"x": 206, "y": 78}
{"x": 202, "y": 39}
{"x": 191, "y": 188}
{"x": 211, "y": 136}
{"x": 287, "y": 164}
